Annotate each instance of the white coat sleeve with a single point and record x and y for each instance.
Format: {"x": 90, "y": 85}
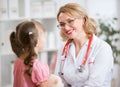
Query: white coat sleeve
{"x": 102, "y": 68}
{"x": 57, "y": 66}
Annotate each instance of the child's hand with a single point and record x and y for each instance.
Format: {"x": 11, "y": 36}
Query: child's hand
{"x": 55, "y": 81}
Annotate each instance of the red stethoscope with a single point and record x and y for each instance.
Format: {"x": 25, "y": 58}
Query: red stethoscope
{"x": 65, "y": 53}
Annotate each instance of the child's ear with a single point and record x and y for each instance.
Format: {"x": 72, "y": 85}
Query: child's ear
{"x": 37, "y": 45}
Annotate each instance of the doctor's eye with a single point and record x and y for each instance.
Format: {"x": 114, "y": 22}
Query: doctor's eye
{"x": 61, "y": 25}
{"x": 70, "y": 21}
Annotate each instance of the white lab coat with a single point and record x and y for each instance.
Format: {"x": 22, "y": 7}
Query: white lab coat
{"x": 98, "y": 68}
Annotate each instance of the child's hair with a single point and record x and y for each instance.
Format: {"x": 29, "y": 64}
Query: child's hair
{"x": 16, "y": 47}
{"x": 27, "y": 38}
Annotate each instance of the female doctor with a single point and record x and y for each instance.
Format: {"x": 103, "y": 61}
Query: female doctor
{"x": 84, "y": 60}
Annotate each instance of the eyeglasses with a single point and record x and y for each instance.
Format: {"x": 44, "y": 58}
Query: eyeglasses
{"x": 69, "y": 23}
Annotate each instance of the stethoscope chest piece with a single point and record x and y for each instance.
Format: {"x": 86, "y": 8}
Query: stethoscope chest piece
{"x": 81, "y": 68}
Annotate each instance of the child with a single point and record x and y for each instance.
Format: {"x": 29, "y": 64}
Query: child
{"x": 26, "y": 42}
{"x": 28, "y": 71}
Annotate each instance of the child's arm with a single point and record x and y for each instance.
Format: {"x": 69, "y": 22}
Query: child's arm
{"x": 53, "y": 81}
{"x": 40, "y": 74}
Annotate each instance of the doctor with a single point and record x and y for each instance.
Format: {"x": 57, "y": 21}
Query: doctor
{"x": 84, "y": 60}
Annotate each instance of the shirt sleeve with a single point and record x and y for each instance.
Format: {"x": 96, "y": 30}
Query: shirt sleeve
{"x": 40, "y": 72}
{"x": 58, "y": 61}
{"x": 102, "y": 68}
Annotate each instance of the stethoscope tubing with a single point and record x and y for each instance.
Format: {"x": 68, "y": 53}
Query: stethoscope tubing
{"x": 65, "y": 55}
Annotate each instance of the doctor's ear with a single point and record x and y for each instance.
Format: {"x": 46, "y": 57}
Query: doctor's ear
{"x": 84, "y": 19}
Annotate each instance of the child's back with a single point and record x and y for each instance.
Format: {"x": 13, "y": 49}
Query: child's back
{"x": 23, "y": 80}
{"x": 28, "y": 71}
{"x": 26, "y": 42}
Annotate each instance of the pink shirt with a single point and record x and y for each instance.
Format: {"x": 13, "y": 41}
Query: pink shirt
{"x": 40, "y": 73}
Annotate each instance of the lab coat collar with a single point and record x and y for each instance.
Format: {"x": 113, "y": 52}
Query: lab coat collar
{"x": 72, "y": 46}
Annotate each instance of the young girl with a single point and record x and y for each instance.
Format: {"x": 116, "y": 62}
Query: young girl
{"x": 28, "y": 71}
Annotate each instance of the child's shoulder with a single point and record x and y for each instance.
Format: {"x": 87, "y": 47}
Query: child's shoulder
{"x": 38, "y": 65}
{"x": 40, "y": 72}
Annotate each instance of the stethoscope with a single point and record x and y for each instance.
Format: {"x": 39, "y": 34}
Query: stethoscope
{"x": 65, "y": 55}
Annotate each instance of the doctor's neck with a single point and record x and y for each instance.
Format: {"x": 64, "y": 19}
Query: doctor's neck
{"x": 80, "y": 40}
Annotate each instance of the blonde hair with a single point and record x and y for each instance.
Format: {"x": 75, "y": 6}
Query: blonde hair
{"x": 76, "y": 11}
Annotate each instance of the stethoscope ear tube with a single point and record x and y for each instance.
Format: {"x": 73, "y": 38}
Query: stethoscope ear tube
{"x": 65, "y": 49}
{"x": 64, "y": 55}
{"x": 82, "y": 66}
